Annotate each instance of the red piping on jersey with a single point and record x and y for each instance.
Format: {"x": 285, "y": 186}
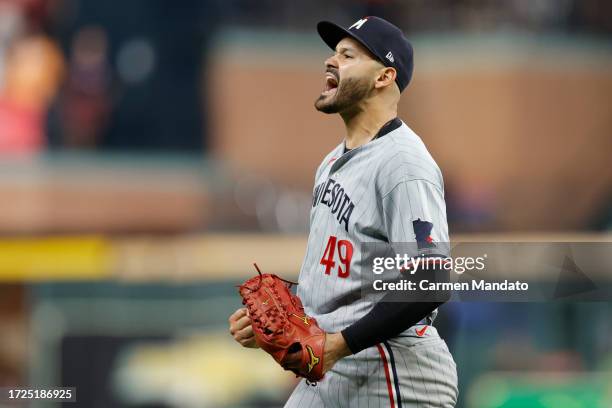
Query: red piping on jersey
{"x": 389, "y": 388}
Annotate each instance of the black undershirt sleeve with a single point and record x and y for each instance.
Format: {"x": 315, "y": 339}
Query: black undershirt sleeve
{"x": 396, "y": 312}
{"x": 384, "y": 321}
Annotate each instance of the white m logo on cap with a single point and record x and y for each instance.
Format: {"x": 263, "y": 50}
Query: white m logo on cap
{"x": 357, "y": 25}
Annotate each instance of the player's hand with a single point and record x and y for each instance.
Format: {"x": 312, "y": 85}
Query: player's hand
{"x": 241, "y": 329}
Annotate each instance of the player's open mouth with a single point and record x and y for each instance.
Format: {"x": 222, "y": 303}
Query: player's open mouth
{"x": 331, "y": 85}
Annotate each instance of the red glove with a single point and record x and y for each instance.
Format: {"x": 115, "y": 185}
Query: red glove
{"x": 281, "y": 327}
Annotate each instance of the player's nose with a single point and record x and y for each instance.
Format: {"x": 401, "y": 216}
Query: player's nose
{"x": 331, "y": 62}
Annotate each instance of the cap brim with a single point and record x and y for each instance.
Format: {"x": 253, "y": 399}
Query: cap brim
{"x": 332, "y": 34}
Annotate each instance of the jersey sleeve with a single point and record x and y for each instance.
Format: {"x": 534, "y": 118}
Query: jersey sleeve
{"x": 414, "y": 215}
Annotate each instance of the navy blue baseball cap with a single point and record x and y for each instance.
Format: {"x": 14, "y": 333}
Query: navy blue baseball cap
{"x": 381, "y": 38}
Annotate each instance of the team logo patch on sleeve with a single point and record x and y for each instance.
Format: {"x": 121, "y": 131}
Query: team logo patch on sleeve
{"x": 422, "y": 233}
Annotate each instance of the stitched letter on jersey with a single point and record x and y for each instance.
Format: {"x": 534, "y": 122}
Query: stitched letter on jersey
{"x": 331, "y": 194}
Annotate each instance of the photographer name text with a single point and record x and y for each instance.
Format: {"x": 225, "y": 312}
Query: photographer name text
{"x": 425, "y": 285}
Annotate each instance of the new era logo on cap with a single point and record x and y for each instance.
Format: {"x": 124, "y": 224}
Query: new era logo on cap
{"x": 389, "y": 56}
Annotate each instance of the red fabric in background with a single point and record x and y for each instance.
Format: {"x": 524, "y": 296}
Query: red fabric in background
{"x": 21, "y": 129}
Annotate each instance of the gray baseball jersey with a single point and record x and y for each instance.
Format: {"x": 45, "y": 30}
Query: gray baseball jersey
{"x": 389, "y": 190}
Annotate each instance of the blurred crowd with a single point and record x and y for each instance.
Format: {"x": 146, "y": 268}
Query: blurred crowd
{"x": 99, "y": 75}
{"x": 587, "y": 16}
{"x": 80, "y": 74}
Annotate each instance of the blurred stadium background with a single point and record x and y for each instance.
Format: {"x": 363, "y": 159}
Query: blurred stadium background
{"x": 151, "y": 150}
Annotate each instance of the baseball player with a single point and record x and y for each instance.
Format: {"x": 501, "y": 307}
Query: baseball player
{"x": 380, "y": 185}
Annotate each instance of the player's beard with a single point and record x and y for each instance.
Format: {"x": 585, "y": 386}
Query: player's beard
{"x": 350, "y": 92}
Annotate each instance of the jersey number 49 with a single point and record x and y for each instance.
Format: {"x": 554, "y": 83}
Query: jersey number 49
{"x": 345, "y": 253}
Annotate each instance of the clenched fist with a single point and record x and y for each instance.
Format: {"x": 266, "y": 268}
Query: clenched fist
{"x": 241, "y": 329}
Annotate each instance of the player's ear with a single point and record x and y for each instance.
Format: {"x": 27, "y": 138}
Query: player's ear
{"x": 386, "y": 76}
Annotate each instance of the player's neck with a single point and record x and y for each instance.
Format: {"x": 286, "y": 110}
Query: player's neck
{"x": 363, "y": 124}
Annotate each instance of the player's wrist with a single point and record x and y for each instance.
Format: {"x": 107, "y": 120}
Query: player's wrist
{"x": 335, "y": 349}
